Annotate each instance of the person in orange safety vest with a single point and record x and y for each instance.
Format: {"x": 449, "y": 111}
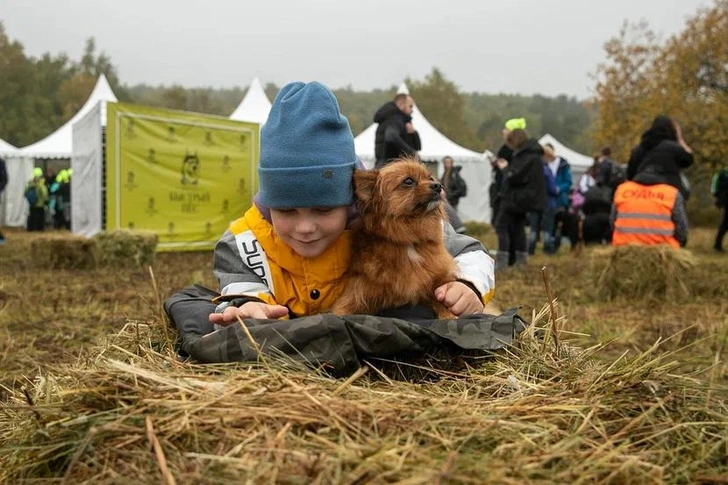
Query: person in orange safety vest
{"x": 648, "y": 215}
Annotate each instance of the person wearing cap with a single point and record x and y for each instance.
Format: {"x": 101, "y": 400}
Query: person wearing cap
{"x": 60, "y": 193}
{"x": 503, "y": 158}
{"x": 286, "y": 256}
{"x": 36, "y": 194}
{"x": 523, "y": 191}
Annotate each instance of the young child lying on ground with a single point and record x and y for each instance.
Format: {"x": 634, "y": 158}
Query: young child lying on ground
{"x": 285, "y": 258}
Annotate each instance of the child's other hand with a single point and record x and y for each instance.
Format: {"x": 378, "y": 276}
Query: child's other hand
{"x": 251, "y": 309}
{"x": 459, "y": 298}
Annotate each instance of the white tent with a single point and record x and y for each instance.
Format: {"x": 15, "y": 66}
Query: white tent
{"x": 56, "y": 145}
{"x": 87, "y": 162}
{"x": 12, "y": 201}
{"x": 435, "y": 146}
{"x": 6, "y": 148}
{"x": 580, "y": 163}
{"x": 59, "y": 143}
{"x": 254, "y": 107}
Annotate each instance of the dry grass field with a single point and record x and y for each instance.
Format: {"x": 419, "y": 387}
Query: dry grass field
{"x": 633, "y": 392}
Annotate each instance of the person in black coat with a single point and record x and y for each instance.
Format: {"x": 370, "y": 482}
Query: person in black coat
{"x": 395, "y": 135}
{"x": 454, "y": 184}
{"x": 3, "y": 184}
{"x": 523, "y": 190}
{"x": 660, "y": 155}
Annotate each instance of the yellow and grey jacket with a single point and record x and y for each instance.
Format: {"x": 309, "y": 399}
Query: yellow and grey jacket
{"x": 251, "y": 261}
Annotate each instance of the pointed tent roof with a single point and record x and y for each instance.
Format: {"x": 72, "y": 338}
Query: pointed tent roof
{"x": 573, "y": 157}
{"x": 6, "y": 147}
{"x": 59, "y": 143}
{"x": 254, "y": 107}
{"x": 435, "y": 145}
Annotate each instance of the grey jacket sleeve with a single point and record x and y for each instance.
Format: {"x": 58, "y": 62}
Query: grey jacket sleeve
{"x": 475, "y": 264}
{"x": 235, "y": 277}
{"x": 680, "y": 219}
{"x": 612, "y": 216}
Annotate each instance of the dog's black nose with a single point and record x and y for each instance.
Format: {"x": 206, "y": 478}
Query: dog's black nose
{"x": 436, "y": 186}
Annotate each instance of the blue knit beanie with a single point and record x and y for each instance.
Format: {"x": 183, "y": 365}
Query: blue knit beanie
{"x": 307, "y": 156}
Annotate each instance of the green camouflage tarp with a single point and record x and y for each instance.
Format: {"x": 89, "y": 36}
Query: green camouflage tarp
{"x": 335, "y": 343}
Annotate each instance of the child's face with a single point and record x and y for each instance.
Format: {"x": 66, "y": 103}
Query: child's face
{"x": 309, "y": 231}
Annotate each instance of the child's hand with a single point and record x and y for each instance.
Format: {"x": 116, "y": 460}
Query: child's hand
{"x": 251, "y": 309}
{"x": 459, "y": 298}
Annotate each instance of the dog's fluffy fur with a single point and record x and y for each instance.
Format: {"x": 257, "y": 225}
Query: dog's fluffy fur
{"x": 399, "y": 255}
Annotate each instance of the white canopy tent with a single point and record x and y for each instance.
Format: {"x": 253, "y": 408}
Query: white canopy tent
{"x": 579, "y": 162}
{"x": 59, "y": 144}
{"x": 435, "y": 146}
{"x": 255, "y": 106}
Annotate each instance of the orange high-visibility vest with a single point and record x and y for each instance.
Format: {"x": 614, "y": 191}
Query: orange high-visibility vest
{"x": 644, "y": 214}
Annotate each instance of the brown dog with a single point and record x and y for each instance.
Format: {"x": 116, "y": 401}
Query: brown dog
{"x": 399, "y": 255}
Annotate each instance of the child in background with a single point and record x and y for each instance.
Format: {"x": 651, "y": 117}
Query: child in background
{"x": 285, "y": 257}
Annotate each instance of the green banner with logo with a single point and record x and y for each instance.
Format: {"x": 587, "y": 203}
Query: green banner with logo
{"x": 183, "y": 175}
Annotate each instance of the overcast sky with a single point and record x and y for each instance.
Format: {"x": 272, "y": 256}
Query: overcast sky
{"x": 517, "y": 46}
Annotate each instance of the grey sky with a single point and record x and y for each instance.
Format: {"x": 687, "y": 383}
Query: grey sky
{"x": 526, "y": 46}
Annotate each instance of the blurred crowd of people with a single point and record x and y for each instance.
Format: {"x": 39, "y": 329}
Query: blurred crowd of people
{"x": 642, "y": 201}
{"x": 49, "y": 200}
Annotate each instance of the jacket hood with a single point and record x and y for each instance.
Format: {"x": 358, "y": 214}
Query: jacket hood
{"x": 531, "y": 146}
{"x": 388, "y": 111}
{"x": 654, "y": 136}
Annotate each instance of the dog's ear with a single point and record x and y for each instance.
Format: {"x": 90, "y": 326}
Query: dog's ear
{"x": 364, "y": 183}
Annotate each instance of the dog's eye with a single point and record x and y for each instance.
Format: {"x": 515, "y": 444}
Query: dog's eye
{"x": 408, "y": 182}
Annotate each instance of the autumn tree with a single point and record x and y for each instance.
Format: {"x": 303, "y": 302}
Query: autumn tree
{"x": 694, "y": 67}
{"x": 685, "y": 78}
{"x": 625, "y": 88}
{"x": 444, "y": 106}
{"x": 73, "y": 93}
{"x": 28, "y": 88}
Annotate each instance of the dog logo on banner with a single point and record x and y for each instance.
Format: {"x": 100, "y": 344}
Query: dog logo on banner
{"x": 190, "y": 169}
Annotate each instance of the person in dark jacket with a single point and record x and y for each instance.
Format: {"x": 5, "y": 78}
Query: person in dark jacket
{"x": 395, "y": 134}
{"x": 544, "y": 221}
{"x": 719, "y": 190}
{"x": 523, "y": 191}
{"x": 505, "y": 153}
{"x": 596, "y": 209}
{"x": 455, "y": 186}
{"x": 3, "y": 184}
{"x": 660, "y": 156}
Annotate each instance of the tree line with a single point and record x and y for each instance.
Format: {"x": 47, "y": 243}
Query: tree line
{"x": 37, "y": 95}
{"x": 685, "y": 77}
